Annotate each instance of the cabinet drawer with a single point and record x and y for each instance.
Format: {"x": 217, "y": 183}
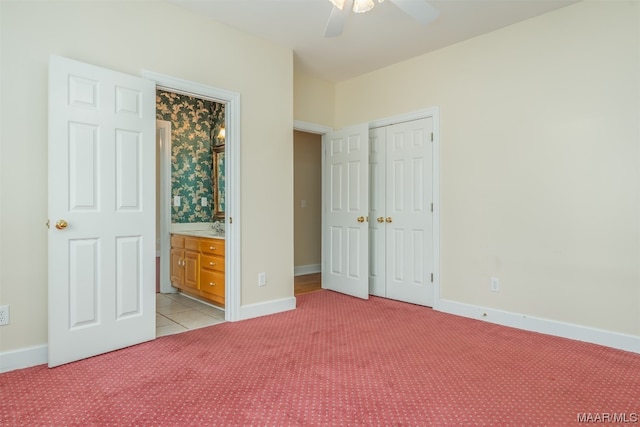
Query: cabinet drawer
{"x": 177, "y": 241}
{"x": 211, "y": 262}
{"x": 212, "y": 282}
{"x": 192, "y": 243}
{"x": 212, "y": 246}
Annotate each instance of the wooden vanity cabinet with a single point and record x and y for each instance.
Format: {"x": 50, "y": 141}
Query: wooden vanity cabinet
{"x": 185, "y": 262}
{"x": 197, "y": 266}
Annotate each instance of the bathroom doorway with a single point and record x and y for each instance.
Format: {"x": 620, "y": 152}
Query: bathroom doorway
{"x": 231, "y": 119}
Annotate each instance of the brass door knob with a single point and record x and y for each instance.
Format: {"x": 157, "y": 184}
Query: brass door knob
{"x": 389, "y": 219}
{"x": 360, "y": 219}
{"x": 380, "y": 219}
{"x": 61, "y": 224}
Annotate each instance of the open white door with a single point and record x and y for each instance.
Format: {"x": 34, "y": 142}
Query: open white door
{"x": 345, "y": 232}
{"x": 101, "y": 209}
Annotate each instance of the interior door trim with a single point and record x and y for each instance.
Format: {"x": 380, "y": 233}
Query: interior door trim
{"x": 433, "y": 112}
{"x": 232, "y": 159}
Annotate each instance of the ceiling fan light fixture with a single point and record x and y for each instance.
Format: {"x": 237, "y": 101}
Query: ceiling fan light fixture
{"x": 338, "y": 3}
{"x": 361, "y": 6}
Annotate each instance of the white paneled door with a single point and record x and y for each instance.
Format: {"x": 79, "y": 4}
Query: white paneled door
{"x": 101, "y": 210}
{"x": 345, "y": 187}
{"x": 402, "y": 249}
{"x": 377, "y": 209}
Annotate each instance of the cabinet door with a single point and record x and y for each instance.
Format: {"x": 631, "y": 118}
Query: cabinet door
{"x": 176, "y": 268}
{"x": 191, "y": 269}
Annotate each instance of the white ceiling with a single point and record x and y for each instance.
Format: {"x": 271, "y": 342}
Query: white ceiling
{"x": 372, "y": 40}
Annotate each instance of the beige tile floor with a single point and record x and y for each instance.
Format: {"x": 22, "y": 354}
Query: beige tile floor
{"x": 177, "y": 313}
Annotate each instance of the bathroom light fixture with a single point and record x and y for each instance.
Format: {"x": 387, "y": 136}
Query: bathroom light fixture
{"x": 221, "y": 134}
{"x": 359, "y": 6}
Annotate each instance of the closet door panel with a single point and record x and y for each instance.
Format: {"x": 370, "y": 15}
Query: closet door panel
{"x": 377, "y": 201}
{"x": 345, "y": 235}
{"x": 408, "y": 218}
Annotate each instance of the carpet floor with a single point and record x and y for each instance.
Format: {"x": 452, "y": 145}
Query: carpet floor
{"x": 335, "y": 361}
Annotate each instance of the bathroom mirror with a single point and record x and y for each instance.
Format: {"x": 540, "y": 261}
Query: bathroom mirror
{"x": 218, "y": 181}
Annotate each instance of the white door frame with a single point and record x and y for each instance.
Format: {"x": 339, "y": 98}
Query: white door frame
{"x": 164, "y": 208}
{"x": 433, "y": 112}
{"x": 232, "y": 176}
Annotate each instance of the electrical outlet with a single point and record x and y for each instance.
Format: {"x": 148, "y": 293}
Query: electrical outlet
{"x": 262, "y": 279}
{"x": 495, "y": 284}
{"x": 4, "y": 315}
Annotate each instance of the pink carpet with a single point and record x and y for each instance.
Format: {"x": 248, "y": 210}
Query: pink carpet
{"x": 335, "y": 361}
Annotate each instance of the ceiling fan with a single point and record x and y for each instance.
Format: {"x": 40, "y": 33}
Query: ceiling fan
{"x": 419, "y": 10}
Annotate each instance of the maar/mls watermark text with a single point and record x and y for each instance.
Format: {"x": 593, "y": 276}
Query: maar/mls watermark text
{"x": 609, "y": 417}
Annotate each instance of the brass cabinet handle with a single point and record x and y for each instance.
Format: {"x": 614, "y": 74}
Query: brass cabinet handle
{"x": 360, "y": 219}
{"x": 212, "y": 284}
{"x": 380, "y": 219}
{"x": 211, "y": 248}
{"x": 212, "y": 263}
{"x": 61, "y": 224}
{"x": 388, "y": 219}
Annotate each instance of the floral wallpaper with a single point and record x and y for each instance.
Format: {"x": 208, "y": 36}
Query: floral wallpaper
{"x": 195, "y": 123}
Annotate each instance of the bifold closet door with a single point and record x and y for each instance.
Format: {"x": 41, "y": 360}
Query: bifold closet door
{"x": 402, "y": 232}
{"x": 345, "y": 194}
{"x": 377, "y": 209}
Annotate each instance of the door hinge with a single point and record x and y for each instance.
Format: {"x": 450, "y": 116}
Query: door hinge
{"x": 230, "y": 220}
{"x": 48, "y": 224}
{"x": 431, "y": 207}
{"x": 431, "y": 136}
{"x": 431, "y": 277}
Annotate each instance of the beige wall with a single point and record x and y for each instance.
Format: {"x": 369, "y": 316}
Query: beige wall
{"x": 313, "y": 99}
{"x": 129, "y": 37}
{"x": 307, "y": 186}
{"x": 540, "y": 161}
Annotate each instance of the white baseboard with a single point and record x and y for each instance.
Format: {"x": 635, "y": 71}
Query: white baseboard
{"x": 307, "y": 269}
{"x": 24, "y": 358}
{"x": 265, "y": 308}
{"x": 38, "y": 355}
{"x": 545, "y": 326}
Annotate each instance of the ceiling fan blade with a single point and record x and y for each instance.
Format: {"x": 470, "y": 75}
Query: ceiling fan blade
{"x": 337, "y": 19}
{"x": 419, "y": 10}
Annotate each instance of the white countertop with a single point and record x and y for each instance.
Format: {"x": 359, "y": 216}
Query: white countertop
{"x": 199, "y": 229}
{"x": 200, "y": 233}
